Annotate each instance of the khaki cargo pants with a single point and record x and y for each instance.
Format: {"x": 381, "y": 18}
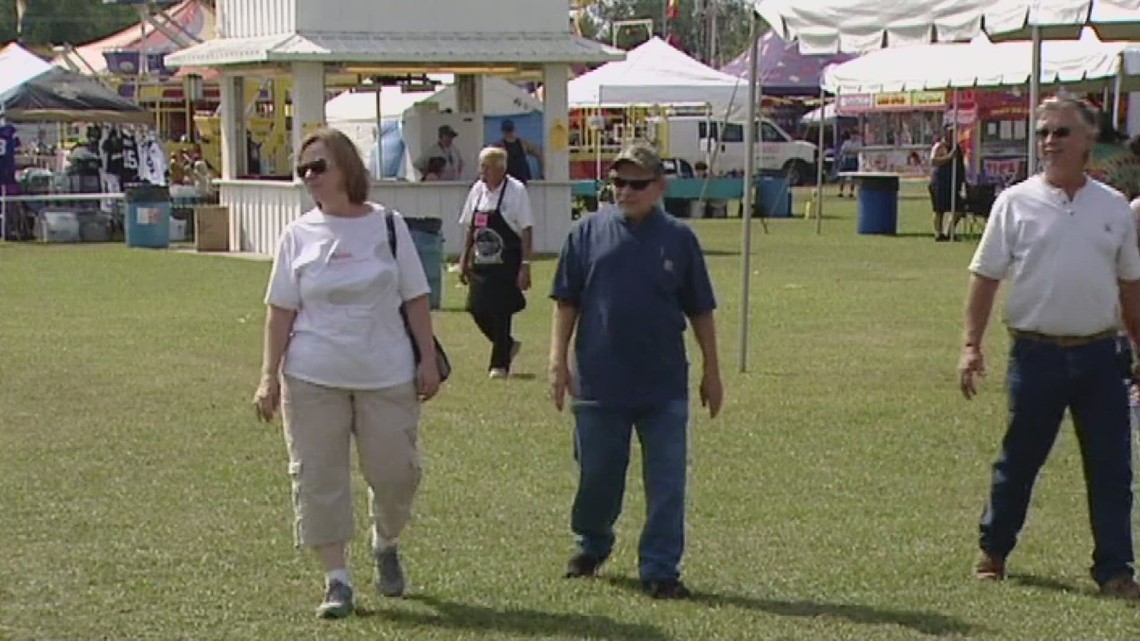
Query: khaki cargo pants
{"x": 320, "y": 422}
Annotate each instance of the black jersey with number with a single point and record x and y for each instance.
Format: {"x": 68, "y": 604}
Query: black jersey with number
{"x": 130, "y": 173}
{"x": 113, "y": 154}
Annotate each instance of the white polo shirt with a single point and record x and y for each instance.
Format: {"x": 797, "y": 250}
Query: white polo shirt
{"x": 516, "y": 204}
{"x": 340, "y": 276}
{"x": 1064, "y": 257}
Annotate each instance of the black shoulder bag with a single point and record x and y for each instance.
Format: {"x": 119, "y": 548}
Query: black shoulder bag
{"x": 441, "y": 361}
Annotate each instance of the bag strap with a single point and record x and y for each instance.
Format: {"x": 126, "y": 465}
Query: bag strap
{"x": 391, "y": 233}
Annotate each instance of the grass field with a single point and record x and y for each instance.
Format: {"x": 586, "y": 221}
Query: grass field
{"x": 836, "y": 498}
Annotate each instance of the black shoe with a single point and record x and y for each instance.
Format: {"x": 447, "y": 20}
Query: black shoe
{"x": 668, "y": 589}
{"x": 582, "y": 564}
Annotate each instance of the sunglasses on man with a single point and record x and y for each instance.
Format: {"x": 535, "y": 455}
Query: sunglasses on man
{"x": 317, "y": 167}
{"x": 1059, "y": 132}
{"x": 639, "y": 184}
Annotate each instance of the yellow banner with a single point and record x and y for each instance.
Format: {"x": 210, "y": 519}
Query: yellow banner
{"x": 892, "y": 100}
{"x": 928, "y": 98}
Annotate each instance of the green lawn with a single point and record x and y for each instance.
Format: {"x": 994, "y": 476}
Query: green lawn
{"x": 836, "y": 498}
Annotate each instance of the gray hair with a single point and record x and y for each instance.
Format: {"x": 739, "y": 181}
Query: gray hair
{"x": 1083, "y": 109}
{"x": 496, "y": 155}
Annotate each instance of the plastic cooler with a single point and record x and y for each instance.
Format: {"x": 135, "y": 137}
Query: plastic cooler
{"x": 147, "y": 221}
{"x": 879, "y": 205}
{"x": 428, "y": 238}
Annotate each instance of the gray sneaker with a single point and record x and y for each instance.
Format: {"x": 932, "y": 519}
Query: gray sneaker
{"x": 337, "y": 603}
{"x": 389, "y": 571}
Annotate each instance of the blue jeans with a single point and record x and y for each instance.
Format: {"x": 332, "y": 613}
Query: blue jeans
{"x": 1044, "y": 380}
{"x": 601, "y": 446}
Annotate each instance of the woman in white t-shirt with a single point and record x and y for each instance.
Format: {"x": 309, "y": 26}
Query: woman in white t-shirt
{"x": 339, "y": 362}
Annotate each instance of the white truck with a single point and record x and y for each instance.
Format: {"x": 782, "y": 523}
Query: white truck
{"x": 721, "y": 146}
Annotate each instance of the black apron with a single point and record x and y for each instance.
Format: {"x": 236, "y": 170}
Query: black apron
{"x": 495, "y": 264}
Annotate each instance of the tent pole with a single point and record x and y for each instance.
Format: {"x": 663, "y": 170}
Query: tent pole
{"x": 1034, "y": 98}
{"x": 1116, "y": 99}
{"x": 379, "y": 132}
{"x": 746, "y": 214}
{"x": 954, "y": 172}
{"x": 819, "y": 162}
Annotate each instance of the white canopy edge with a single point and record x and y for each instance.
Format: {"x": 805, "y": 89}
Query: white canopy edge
{"x": 1086, "y": 64}
{"x": 857, "y": 26}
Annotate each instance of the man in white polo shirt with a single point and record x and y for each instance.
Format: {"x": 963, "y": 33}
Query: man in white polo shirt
{"x": 1067, "y": 243}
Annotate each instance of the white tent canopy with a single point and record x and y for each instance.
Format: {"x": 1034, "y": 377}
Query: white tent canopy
{"x": 18, "y": 65}
{"x": 856, "y": 26}
{"x": 657, "y": 73}
{"x": 980, "y": 63}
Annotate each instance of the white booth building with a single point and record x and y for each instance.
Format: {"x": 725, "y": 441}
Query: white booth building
{"x": 309, "y": 40}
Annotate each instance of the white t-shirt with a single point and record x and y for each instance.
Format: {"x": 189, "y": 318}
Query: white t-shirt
{"x": 1065, "y": 256}
{"x": 340, "y": 276}
{"x": 516, "y": 204}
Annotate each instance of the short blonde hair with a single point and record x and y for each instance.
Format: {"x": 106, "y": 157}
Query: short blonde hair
{"x": 497, "y": 155}
{"x": 346, "y": 158}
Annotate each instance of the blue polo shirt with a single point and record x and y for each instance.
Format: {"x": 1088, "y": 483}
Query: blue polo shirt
{"x": 634, "y": 285}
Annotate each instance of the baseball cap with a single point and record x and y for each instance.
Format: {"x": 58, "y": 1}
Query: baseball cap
{"x": 508, "y": 125}
{"x": 446, "y": 130}
{"x": 642, "y": 155}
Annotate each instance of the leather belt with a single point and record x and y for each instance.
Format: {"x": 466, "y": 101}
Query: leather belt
{"x": 1063, "y": 341}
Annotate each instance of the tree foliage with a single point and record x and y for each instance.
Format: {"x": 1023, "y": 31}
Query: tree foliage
{"x": 58, "y": 21}
{"x": 691, "y": 26}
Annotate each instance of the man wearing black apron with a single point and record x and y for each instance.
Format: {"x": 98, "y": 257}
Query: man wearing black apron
{"x": 495, "y": 263}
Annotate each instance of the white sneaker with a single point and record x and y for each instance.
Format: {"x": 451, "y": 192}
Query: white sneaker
{"x": 498, "y": 372}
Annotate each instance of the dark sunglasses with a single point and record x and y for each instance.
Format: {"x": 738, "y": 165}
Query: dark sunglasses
{"x": 636, "y": 185}
{"x": 318, "y": 167}
{"x": 1059, "y": 132}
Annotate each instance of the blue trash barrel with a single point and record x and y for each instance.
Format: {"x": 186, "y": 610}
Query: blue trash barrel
{"x": 774, "y": 194}
{"x": 879, "y": 205}
{"x": 428, "y": 238}
{"x": 148, "y": 216}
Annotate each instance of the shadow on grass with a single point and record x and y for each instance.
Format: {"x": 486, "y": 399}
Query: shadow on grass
{"x": 450, "y": 615}
{"x": 929, "y": 623}
{"x": 1046, "y": 583}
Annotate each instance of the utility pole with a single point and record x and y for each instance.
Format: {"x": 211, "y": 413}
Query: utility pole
{"x": 713, "y": 9}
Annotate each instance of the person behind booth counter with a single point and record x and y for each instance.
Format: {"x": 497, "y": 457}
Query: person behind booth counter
{"x": 517, "y": 151}
{"x": 446, "y": 149}
{"x": 627, "y": 280}
{"x": 339, "y": 363}
{"x": 1068, "y": 245}
{"x": 495, "y": 263}
{"x": 435, "y": 167}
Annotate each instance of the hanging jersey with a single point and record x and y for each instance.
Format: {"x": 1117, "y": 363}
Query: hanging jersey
{"x": 153, "y": 169}
{"x": 113, "y": 155}
{"x": 130, "y": 172}
{"x": 9, "y": 143}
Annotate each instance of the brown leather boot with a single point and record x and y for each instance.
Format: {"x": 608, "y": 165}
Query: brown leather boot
{"x": 990, "y": 568}
{"x": 1121, "y": 587}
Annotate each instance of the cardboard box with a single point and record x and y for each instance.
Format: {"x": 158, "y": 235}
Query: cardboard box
{"x": 212, "y": 228}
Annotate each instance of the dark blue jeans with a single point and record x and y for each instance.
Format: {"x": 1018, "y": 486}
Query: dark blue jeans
{"x": 601, "y": 446}
{"x": 1043, "y": 381}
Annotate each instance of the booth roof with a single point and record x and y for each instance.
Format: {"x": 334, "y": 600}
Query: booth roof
{"x": 398, "y": 49}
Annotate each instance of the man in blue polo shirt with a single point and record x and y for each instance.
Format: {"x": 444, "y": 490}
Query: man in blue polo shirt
{"x": 627, "y": 280}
